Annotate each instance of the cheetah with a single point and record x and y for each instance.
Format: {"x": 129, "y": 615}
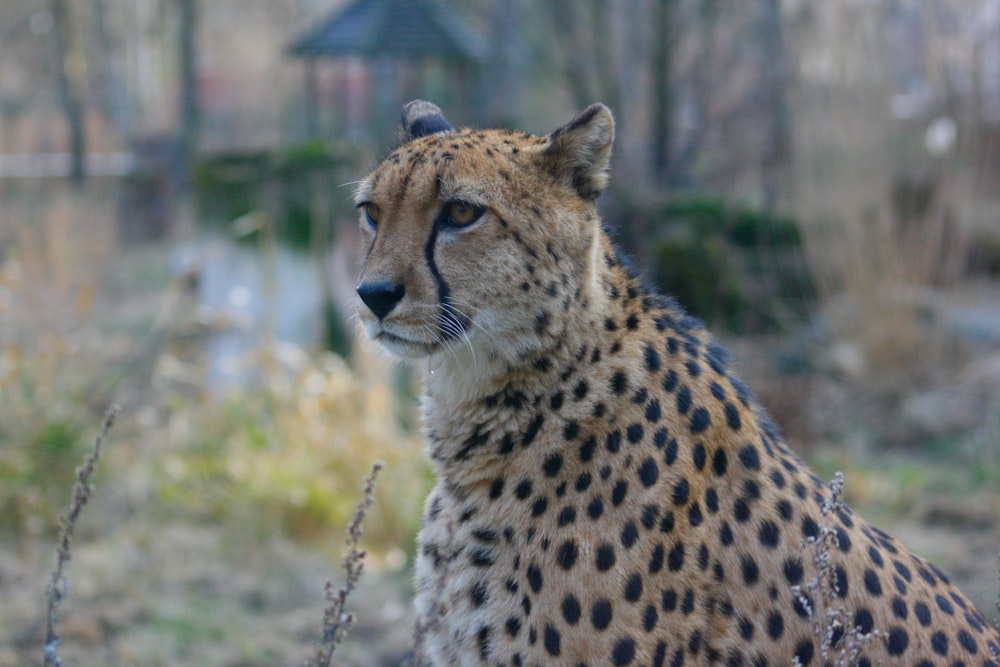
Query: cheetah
{"x": 608, "y": 492}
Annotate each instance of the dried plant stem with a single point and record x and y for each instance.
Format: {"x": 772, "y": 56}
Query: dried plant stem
{"x": 336, "y": 619}
{"x": 832, "y": 628}
{"x": 58, "y": 586}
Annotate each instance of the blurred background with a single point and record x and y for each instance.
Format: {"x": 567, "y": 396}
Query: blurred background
{"x": 817, "y": 180}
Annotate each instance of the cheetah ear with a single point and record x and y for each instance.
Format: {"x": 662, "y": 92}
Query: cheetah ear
{"x": 420, "y": 119}
{"x": 579, "y": 152}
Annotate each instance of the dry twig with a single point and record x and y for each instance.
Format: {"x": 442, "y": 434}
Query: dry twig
{"x": 831, "y": 624}
{"x": 58, "y": 586}
{"x": 336, "y": 619}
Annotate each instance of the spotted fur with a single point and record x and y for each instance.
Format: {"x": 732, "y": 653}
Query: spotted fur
{"x": 608, "y": 492}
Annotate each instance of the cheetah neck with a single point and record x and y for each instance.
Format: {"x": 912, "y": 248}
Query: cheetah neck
{"x": 474, "y": 404}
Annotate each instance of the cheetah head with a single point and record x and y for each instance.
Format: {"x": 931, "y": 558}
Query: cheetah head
{"x": 477, "y": 242}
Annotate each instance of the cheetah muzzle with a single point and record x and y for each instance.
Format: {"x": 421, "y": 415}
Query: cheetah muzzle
{"x": 608, "y": 492}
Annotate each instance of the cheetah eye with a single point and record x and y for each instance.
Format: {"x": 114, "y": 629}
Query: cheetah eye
{"x": 461, "y": 214}
{"x": 372, "y": 214}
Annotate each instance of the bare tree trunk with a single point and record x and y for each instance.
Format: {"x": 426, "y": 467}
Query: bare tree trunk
{"x": 776, "y": 82}
{"x": 663, "y": 98}
{"x": 189, "y": 112}
{"x": 69, "y": 94}
{"x": 573, "y": 61}
{"x": 117, "y": 99}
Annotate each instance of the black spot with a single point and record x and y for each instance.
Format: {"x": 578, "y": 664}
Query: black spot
{"x": 872, "y": 583}
{"x": 552, "y": 465}
{"x": 741, "y": 510}
{"x": 481, "y": 557}
{"x": 566, "y": 516}
{"x": 587, "y": 449}
{"x": 623, "y": 652}
{"x": 600, "y": 614}
{"x": 571, "y": 430}
{"x": 668, "y": 600}
{"x": 793, "y": 571}
{"x": 726, "y": 535}
{"x": 902, "y": 569}
{"x": 923, "y": 613}
{"x": 695, "y": 516}
{"x": 746, "y": 628}
{"x": 683, "y": 400}
{"x": 720, "y": 461}
{"x": 656, "y": 559}
{"x": 571, "y": 609}
{"x": 863, "y": 621}
{"x": 899, "y": 608}
{"x": 630, "y": 534}
{"x": 580, "y": 390}
{"x": 479, "y": 593}
{"x": 809, "y": 527}
{"x": 750, "y": 570}
{"x": 670, "y": 452}
{"x": 712, "y": 501}
{"x": 551, "y": 640}
{"x": 649, "y": 618}
{"x": 700, "y": 420}
{"x": 633, "y": 587}
{"x": 667, "y": 523}
{"x": 733, "y": 417}
{"x": 605, "y": 558}
{"x": 804, "y": 652}
{"x": 532, "y": 430}
{"x": 967, "y": 641}
{"x": 843, "y": 541}
{"x": 513, "y": 626}
{"x": 775, "y": 625}
{"x": 898, "y": 640}
{"x": 618, "y": 493}
{"x": 769, "y": 534}
{"x": 567, "y": 554}
{"x": 840, "y": 581}
{"x": 939, "y": 642}
{"x": 693, "y": 369}
{"x": 634, "y": 433}
{"x": 650, "y": 513}
{"x": 613, "y": 442}
{"x": 700, "y": 456}
{"x": 749, "y": 458}
{"x": 583, "y": 482}
{"x": 534, "y": 577}
{"x": 596, "y": 508}
{"x": 649, "y": 472}
{"x": 670, "y": 381}
{"x": 785, "y": 510}
{"x": 523, "y": 489}
{"x": 675, "y": 560}
{"x": 619, "y": 382}
{"x": 944, "y": 605}
{"x": 496, "y": 488}
{"x": 653, "y": 413}
{"x": 687, "y": 604}
{"x": 681, "y": 493}
{"x": 653, "y": 361}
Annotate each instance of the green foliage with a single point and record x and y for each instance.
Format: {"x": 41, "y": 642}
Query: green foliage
{"x": 287, "y": 192}
{"x": 733, "y": 266}
{"x": 41, "y": 442}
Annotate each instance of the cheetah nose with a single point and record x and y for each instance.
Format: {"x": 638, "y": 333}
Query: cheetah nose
{"x": 381, "y": 298}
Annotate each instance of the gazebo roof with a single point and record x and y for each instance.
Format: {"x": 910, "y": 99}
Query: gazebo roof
{"x": 404, "y": 28}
